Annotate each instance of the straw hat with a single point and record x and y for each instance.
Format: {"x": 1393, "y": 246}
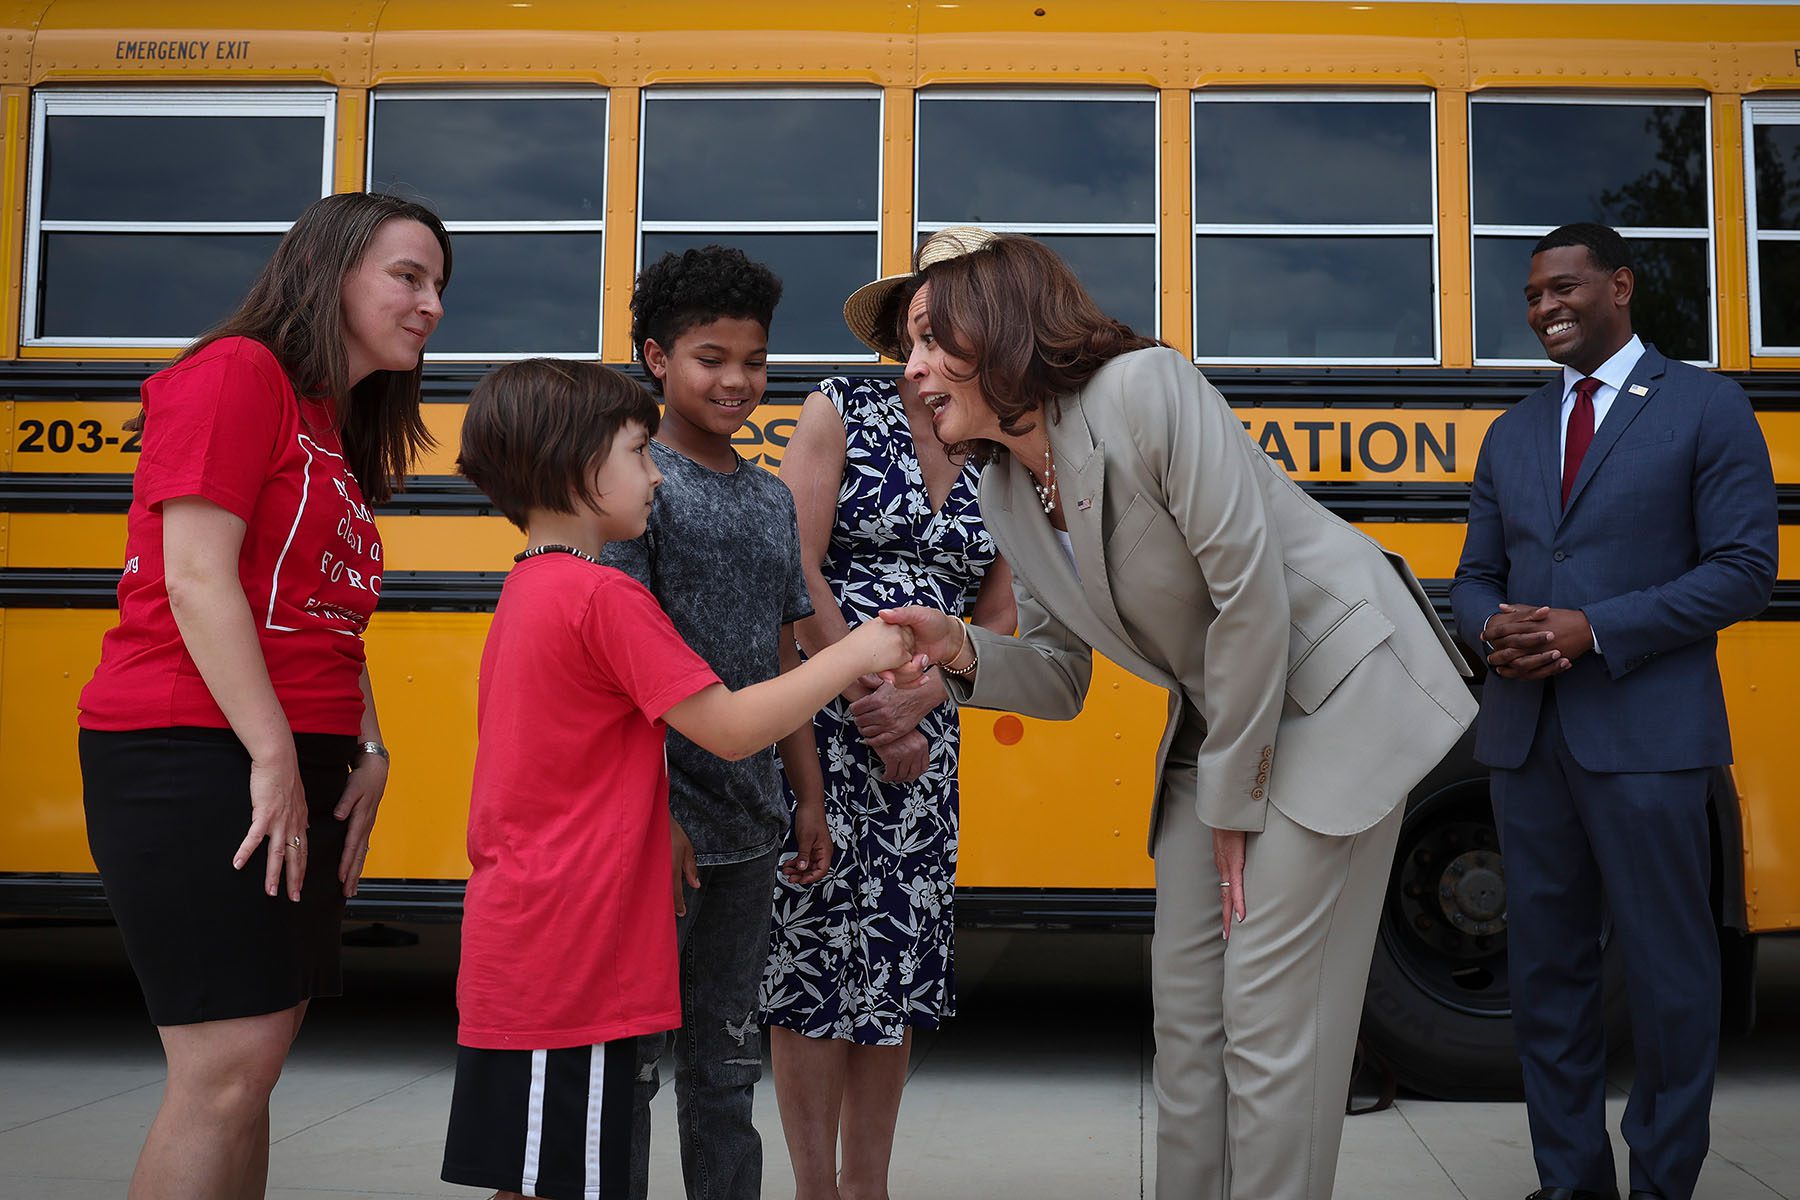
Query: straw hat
{"x": 862, "y": 311}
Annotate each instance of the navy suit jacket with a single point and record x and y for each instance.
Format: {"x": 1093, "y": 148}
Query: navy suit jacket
{"x": 1669, "y": 537}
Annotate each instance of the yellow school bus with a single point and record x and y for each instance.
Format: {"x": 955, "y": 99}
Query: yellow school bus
{"x": 1329, "y": 206}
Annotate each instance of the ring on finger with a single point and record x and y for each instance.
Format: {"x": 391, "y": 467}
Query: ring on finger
{"x": 1226, "y": 885}
{"x": 294, "y": 842}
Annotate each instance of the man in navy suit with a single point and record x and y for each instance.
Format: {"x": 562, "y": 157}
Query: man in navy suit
{"x": 1620, "y": 517}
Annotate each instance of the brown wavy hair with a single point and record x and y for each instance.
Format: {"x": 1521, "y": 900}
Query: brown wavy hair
{"x": 295, "y": 308}
{"x": 1016, "y": 311}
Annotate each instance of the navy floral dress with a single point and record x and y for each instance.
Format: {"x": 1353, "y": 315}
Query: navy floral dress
{"x": 866, "y": 951}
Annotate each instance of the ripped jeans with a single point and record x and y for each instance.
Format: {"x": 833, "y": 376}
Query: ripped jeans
{"x": 724, "y": 943}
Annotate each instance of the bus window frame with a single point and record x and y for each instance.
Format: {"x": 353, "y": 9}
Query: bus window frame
{"x": 1763, "y": 110}
{"x": 1112, "y": 95}
{"x": 297, "y": 102}
{"x": 678, "y": 93}
{"x": 1409, "y": 229}
{"x": 1629, "y": 232}
{"x": 403, "y": 94}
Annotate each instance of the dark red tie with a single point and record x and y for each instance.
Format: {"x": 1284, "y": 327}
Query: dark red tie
{"x": 1580, "y": 434}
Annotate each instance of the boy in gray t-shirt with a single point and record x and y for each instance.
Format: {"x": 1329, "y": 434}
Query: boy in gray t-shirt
{"x": 721, "y": 554}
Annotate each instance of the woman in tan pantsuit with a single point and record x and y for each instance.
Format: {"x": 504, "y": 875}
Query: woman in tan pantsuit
{"x": 1310, "y": 687}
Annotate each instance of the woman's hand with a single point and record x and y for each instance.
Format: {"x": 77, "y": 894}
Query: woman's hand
{"x": 812, "y": 842}
{"x": 938, "y": 636}
{"x": 362, "y": 796}
{"x": 889, "y": 712}
{"x": 905, "y": 758}
{"x": 277, "y": 812}
{"x": 202, "y": 543}
{"x": 861, "y": 688}
{"x": 681, "y": 857}
{"x": 1228, "y": 857}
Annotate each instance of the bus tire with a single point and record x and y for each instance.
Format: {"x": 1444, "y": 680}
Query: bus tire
{"x": 1437, "y": 1010}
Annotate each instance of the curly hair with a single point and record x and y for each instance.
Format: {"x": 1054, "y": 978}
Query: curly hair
{"x": 679, "y": 291}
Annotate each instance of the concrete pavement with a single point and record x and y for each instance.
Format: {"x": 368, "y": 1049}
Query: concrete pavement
{"x": 1039, "y": 1089}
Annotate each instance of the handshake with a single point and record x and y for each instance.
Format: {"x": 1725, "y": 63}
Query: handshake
{"x": 907, "y": 642}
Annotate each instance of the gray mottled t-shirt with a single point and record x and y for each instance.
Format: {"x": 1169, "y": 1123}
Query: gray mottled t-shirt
{"x": 722, "y": 556}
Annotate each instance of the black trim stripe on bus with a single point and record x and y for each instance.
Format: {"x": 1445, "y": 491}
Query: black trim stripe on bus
{"x": 1284, "y": 387}
{"x": 110, "y": 492}
{"x": 477, "y": 591}
{"x": 26, "y": 896}
{"x": 453, "y": 496}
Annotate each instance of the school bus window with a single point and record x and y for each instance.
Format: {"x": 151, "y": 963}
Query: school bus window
{"x": 142, "y": 287}
{"x": 1314, "y": 228}
{"x": 791, "y": 176}
{"x": 519, "y": 179}
{"x": 1774, "y": 209}
{"x": 1636, "y": 164}
{"x": 1075, "y": 169}
{"x": 150, "y": 212}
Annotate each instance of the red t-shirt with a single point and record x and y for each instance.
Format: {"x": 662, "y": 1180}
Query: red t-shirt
{"x": 227, "y": 426}
{"x": 568, "y": 933}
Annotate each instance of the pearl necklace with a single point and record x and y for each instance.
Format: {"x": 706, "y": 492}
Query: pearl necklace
{"x": 1046, "y": 491}
{"x": 555, "y": 548}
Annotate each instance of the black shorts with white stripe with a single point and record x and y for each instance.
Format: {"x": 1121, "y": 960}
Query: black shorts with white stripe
{"x": 552, "y": 1123}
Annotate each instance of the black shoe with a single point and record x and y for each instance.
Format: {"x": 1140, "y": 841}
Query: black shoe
{"x": 1575, "y": 1194}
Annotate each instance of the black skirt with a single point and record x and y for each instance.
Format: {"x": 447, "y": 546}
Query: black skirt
{"x": 166, "y": 810}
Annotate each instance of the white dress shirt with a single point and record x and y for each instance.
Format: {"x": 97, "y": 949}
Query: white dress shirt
{"x": 1612, "y": 375}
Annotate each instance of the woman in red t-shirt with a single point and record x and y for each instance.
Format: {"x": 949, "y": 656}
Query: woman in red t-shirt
{"x": 235, "y": 677}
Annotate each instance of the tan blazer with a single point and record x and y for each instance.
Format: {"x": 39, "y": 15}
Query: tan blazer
{"x": 1305, "y": 666}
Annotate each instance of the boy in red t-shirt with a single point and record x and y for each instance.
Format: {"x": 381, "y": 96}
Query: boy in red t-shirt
{"x": 568, "y": 944}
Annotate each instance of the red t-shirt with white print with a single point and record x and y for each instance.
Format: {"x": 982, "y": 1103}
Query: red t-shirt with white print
{"x": 568, "y": 934}
{"x": 226, "y": 425}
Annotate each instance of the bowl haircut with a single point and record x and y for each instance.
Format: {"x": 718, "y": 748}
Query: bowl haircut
{"x": 536, "y": 430}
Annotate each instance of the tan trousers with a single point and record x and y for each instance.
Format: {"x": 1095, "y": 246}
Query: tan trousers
{"x": 1254, "y": 1037}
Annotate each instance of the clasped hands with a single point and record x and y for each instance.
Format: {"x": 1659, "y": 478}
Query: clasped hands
{"x": 887, "y": 716}
{"x": 1531, "y": 641}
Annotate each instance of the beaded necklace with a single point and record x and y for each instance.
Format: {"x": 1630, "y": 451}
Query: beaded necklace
{"x": 555, "y": 548}
{"x": 1046, "y": 491}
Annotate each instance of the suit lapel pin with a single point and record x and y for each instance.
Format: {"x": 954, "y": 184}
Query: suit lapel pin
{"x": 1085, "y": 503}
{"x": 1638, "y": 389}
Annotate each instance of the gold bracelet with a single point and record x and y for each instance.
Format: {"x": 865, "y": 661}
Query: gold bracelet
{"x": 974, "y": 656}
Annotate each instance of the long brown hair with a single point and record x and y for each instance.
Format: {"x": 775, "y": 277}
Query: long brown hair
{"x": 1017, "y": 312}
{"x": 295, "y": 308}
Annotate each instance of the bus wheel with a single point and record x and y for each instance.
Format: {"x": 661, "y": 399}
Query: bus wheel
{"x": 1437, "y": 1009}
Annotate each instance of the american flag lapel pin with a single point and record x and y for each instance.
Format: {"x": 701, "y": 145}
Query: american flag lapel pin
{"x": 1085, "y": 503}
{"x": 1638, "y": 389}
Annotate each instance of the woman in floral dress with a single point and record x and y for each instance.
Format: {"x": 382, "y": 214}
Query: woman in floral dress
{"x": 887, "y": 518}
